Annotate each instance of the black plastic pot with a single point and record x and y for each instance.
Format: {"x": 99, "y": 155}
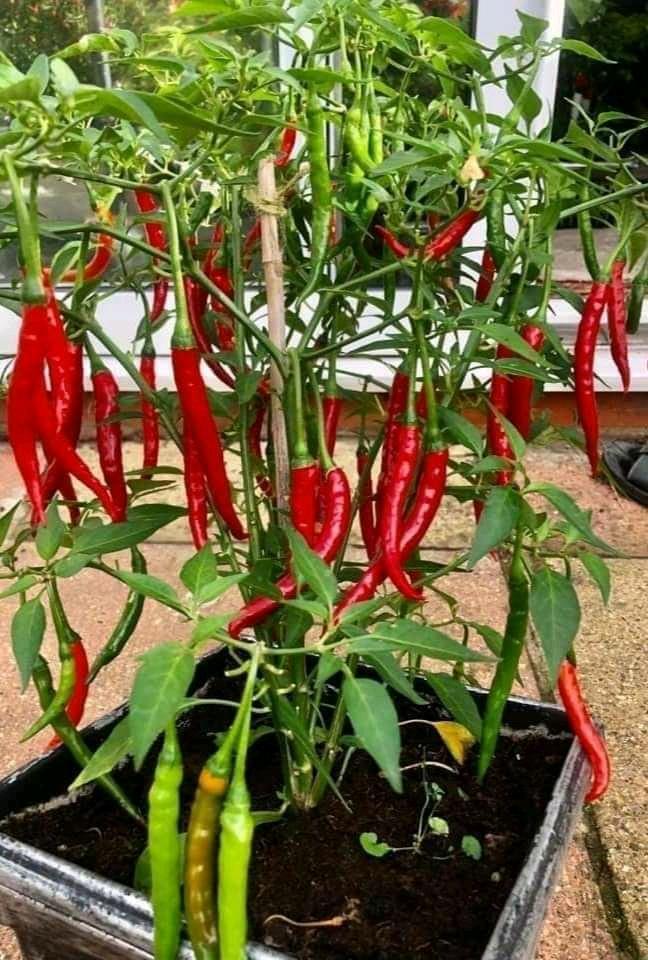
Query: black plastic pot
{"x": 59, "y": 910}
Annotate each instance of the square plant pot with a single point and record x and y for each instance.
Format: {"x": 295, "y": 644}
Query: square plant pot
{"x": 58, "y": 909}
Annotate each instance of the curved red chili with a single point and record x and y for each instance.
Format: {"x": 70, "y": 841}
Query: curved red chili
{"x": 617, "y": 323}
{"x": 486, "y": 276}
{"x": 395, "y": 408}
{"x": 584, "y": 730}
{"x": 156, "y": 236}
{"x": 366, "y": 500}
{"x": 304, "y": 479}
{"x": 451, "y": 236}
{"x": 196, "y": 491}
{"x": 332, "y": 409}
{"x": 76, "y": 704}
{"x": 150, "y": 420}
{"x": 521, "y": 388}
{"x": 286, "y": 146}
{"x": 109, "y": 437}
{"x": 198, "y": 415}
{"x": 584, "y": 356}
{"x": 102, "y": 256}
{"x": 196, "y": 311}
{"x": 398, "y": 482}
{"x": 399, "y": 249}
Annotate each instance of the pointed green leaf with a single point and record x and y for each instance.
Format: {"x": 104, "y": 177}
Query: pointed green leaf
{"x": 312, "y": 568}
{"x": 5, "y": 522}
{"x": 571, "y": 512}
{"x": 599, "y": 572}
{"x": 375, "y": 722}
{"x": 457, "y": 700}
{"x": 112, "y": 751}
{"x": 27, "y": 632}
{"x": 160, "y": 686}
{"x": 423, "y": 640}
{"x": 50, "y": 535}
{"x": 21, "y": 585}
{"x": 500, "y": 516}
{"x": 111, "y": 537}
{"x": 556, "y": 614}
{"x": 199, "y": 570}
{"x": 152, "y": 587}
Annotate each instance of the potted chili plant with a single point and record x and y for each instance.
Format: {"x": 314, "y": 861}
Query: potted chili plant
{"x": 322, "y": 721}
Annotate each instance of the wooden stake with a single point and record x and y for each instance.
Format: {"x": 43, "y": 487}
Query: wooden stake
{"x": 271, "y": 257}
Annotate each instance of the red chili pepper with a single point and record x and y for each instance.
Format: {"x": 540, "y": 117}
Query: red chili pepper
{"x": 100, "y": 260}
{"x": 399, "y": 249}
{"x": 521, "y": 388}
{"x": 197, "y": 414}
{"x": 365, "y": 502}
{"x": 584, "y": 356}
{"x": 429, "y": 494}
{"x": 303, "y": 499}
{"x": 196, "y": 491}
{"x": 254, "y": 442}
{"x": 500, "y": 392}
{"x": 337, "y": 514}
{"x": 196, "y": 311}
{"x": 451, "y": 236}
{"x": 617, "y": 323}
{"x": 395, "y": 409}
{"x": 398, "y": 481}
{"x": 76, "y": 704}
{"x": 582, "y": 726}
{"x": 486, "y": 276}
{"x": 156, "y": 236}
{"x": 286, "y": 146}
{"x": 109, "y": 437}
{"x": 21, "y": 428}
{"x": 150, "y": 421}
{"x": 332, "y": 407}
{"x": 65, "y": 364}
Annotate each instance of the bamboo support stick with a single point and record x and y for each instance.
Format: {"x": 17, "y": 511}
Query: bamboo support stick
{"x": 272, "y": 259}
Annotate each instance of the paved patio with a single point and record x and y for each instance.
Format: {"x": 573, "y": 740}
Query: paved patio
{"x": 600, "y": 911}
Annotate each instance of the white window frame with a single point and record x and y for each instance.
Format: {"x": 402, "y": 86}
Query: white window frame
{"x": 494, "y": 18}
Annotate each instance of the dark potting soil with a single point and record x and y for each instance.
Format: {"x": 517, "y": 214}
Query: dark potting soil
{"x": 315, "y": 892}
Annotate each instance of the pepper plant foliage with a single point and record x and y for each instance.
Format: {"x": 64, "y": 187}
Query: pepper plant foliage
{"x": 375, "y": 197}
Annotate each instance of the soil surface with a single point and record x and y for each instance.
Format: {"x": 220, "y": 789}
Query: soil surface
{"x": 315, "y": 892}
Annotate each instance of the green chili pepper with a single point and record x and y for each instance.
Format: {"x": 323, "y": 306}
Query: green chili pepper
{"x": 202, "y": 835}
{"x": 587, "y": 242}
{"x": 321, "y": 190}
{"x": 237, "y": 828}
{"x": 376, "y": 147}
{"x": 514, "y": 637}
{"x": 495, "y": 227}
{"x": 165, "y": 847}
{"x": 127, "y": 622}
{"x": 635, "y": 303}
{"x": 67, "y": 677}
{"x": 72, "y": 738}
{"x": 356, "y": 141}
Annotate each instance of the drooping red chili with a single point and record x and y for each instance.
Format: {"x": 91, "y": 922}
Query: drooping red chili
{"x": 332, "y": 407}
{"x": 500, "y": 394}
{"x": 397, "y": 247}
{"x": 102, "y": 256}
{"x": 150, "y": 420}
{"x": 286, "y": 146}
{"x": 429, "y": 494}
{"x": 617, "y": 323}
{"x": 398, "y": 482}
{"x": 76, "y": 704}
{"x": 486, "y": 276}
{"x": 366, "y": 500}
{"x": 337, "y": 515}
{"x": 451, "y": 236}
{"x": 109, "y": 434}
{"x": 156, "y": 236}
{"x": 584, "y": 730}
{"x": 196, "y": 308}
{"x": 395, "y": 409}
{"x": 196, "y": 491}
{"x": 521, "y": 388}
{"x": 584, "y": 356}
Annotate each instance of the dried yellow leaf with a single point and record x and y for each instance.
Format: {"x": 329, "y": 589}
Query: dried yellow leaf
{"x": 471, "y": 170}
{"x": 456, "y": 737}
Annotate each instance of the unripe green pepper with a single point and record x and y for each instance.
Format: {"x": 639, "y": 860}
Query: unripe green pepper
{"x": 165, "y": 848}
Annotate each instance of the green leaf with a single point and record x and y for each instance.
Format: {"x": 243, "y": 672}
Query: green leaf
{"x": 305, "y": 11}
{"x": 112, "y": 751}
{"x": 175, "y": 114}
{"x": 471, "y": 847}
{"x": 457, "y": 700}
{"x": 201, "y": 8}
{"x": 64, "y": 78}
{"x": 247, "y": 385}
{"x": 50, "y": 535}
{"x": 27, "y": 89}
{"x": 160, "y": 686}
{"x": 375, "y": 722}
{"x": 461, "y": 430}
{"x": 584, "y": 10}
{"x": 112, "y": 537}
{"x": 21, "y": 585}
{"x": 312, "y": 568}
{"x": 438, "y": 826}
{"x": 556, "y": 614}
{"x": 599, "y": 572}
{"x": 152, "y": 587}
{"x": 199, "y": 570}
{"x": 27, "y": 632}
{"x": 532, "y": 27}
{"x": 40, "y": 69}
{"x": 459, "y": 45}
{"x": 245, "y": 19}
{"x": 5, "y": 522}
{"x": 316, "y": 610}
{"x": 572, "y": 513}
{"x": 423, "y": 640}
{"x": 327, "y": 666}
{"x": 371, "y": 845}
{"x": 207, "y": 628}
{"x": 502, "y": 333}
{"x": 403, "y": 159}
{"x": 70, "y": 565}
{"x": 319, "y": 76}
{"x": 212, "y": 591}
{"x": 121, "y": 104}
{"x": 393, "y": 674}
{"x": 361, "y": 611}
{"x": 500, "y": 516}
{"x": 526, "y": 99}
{"x": 582, "y": 49}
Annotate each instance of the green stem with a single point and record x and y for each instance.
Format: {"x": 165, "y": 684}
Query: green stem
{"x": 182, "y": 333}
{"x": 28, "y": 238}
{"x": 602, "y": 201}
{"x": 300, "y": 453}
{"x": 325, "y": 457}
